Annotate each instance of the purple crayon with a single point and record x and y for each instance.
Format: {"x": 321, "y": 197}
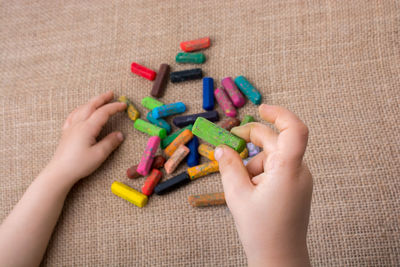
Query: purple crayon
{"x": 224, "y": 102}
{"x": 253, "y": 149}
{"x": 233, "y": 92}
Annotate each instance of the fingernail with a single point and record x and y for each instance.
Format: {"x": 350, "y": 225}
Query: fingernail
{"x": 120, "y": 136}
{"x": 218, "y": 152}
{"x": 234, "y": 128}
{"x": 264, "y": 106}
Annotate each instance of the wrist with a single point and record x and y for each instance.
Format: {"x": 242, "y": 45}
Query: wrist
{"x": 56, "y": 177}
{"x": 276, "y": 256}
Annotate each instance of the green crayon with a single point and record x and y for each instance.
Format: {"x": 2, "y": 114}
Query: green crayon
{"x": 168, "y": 140}
{"x": 150, "y": 103}
{"x": 216, "y": 135}
{"x": 247, "y": 119}
{"x": 195, "y": 58}
{"x": 150, "y": 129}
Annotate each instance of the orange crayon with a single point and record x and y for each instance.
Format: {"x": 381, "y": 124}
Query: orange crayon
{"x": 181, "y": 139}
{"x": 205, "y": 200}
{"x": 203, "y": 169}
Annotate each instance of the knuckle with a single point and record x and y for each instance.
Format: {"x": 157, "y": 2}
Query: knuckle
{"x": 103, "y": 151}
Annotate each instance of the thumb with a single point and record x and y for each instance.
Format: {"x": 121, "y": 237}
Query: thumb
{"x": 108, "y": 144}
{"x": 234, "y": 175}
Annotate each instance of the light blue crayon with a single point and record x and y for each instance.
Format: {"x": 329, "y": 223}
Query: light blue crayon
{"x": 168, "y": 110}
{"x": 159, "y": 122}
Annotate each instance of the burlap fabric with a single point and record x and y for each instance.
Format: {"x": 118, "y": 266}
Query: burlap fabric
{"x": 334, "y": 63}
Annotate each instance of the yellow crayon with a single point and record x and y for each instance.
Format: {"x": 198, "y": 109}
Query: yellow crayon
{"x": 203, "y": 169}
{"x": 129, "y": 194}
{"x": 206, "y": 151}
{"x": 244, "y": 154}
{"x": 132, "y": 112}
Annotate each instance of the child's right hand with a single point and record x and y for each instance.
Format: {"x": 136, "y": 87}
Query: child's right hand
{"x": 79, "y": 153}
{"x": 270, "y": 198}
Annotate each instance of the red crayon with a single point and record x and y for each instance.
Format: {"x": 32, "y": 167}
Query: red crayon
{"x": 194, "y": 45}
{"x": 151, "y": 182}
{"x": 143, "y": 71}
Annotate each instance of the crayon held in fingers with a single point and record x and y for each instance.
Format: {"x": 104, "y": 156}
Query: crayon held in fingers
{"x": 216, "y": 135}
{"x": 253, "y": 149}
{"x": 244, "y": 154}
{"x": 206, "y": 200}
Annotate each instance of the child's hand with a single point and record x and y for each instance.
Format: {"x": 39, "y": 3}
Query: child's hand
{"x": 78, "y": 153}
{"x": 270, "y": 199}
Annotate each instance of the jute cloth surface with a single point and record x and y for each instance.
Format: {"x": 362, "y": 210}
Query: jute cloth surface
{"x": 334, "y": 63}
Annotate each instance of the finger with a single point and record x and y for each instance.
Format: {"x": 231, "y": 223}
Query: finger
{"x": 256, "y": 165}
{"x": 259, "y": 134}
{"x": 96, "y": 102}
{"x": 293, "y": 136}
{"x": 67, "y": 123}
{"x": 100, "y": 100}
{"x": 234, "y": 175}
{"x": 100, "y": 117}
{"x": 258, "y": 178}
{"x": 107, "y": 145}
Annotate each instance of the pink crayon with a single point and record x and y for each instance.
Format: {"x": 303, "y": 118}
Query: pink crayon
{"x": 224, "y": 102}
{"x": 148, "y": 155}
{"x": 233, "y": 92}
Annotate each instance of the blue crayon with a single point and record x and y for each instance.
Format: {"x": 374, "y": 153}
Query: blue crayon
{"x": 208, "y": 93}
{"x": 193, "y": 157}
{"x": 168, "y": 110}
{"x": 248, "y": 90}
{"x": 159, "y": 122}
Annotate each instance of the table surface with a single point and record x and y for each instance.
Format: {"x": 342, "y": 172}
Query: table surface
{"x": 334, "y": 63}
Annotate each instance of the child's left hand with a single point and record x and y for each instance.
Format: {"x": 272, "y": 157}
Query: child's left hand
{"x": 78, "y": 153}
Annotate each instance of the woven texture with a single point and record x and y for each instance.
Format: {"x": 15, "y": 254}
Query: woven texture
{"x": 334, "y": 63}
